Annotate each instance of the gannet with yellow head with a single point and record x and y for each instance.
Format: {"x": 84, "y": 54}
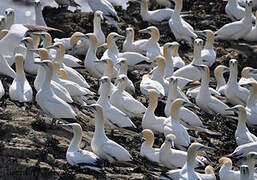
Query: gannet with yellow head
{"x": 226, "y": 172}
{"x": 218, "y": 74}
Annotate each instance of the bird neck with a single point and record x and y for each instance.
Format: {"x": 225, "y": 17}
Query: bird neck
{"x": 175, "y": 112}
{"x": 59, "y": 56}
{"x": 123, "y": 69}
{"x": 205, "y": 80}
{"x": 169, "y": 61}
{"x": 39, "y": 15}
{"x": 112, "y": 46}
{"x": 92, "y": 49}
{"x": 220, "y": 79}
{"x": 209, "y": 43}
{"x": 104, "y": 91}
{"x": 197, "y": 56}
{"x": 233, "y": 76}
{"x": 172, "y": 92}
{"x": 143, "y": 7}
{"x": 75, "y": 142}
{"x": 251, "y": 165}
{"x": 148, "y": 143}
{"x": 19, "y": 68}
{"x": 48, "y": 77}
{"x": 130, "y": 38}
{"x": 97, "y": 26}
{"x": 47, "y": 42}
{"x": 242, "y": 119}
{"x": 99, "y": 125}
{"x": 178, "y": 8}
{"x": 248, "y": 14}
{"x": 154, "y": 38}
{"x": 166, "y": 146}
{"x": 29, "y": 56}
{"x": 9, "y": 21}
{"x": 152, "y": 103}
{"x": 191, "y": 156}
{"x": 252, "y": 98}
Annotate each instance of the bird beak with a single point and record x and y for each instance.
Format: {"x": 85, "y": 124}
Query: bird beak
{"x": 226, "y": 69}
{"x": 144, "y": 31}
{"x": 34, "y": 50}
{"x": 231, "y": 109}
{"x": 188, "y": 104}
{"x": 102, "y": 17}
{"x": 171, "y": 143}
{"x": 66, "y": 126}
{"x": 23, "y": 41}
{"x": 198, "y": 67}
{"x": 206, "y": 148}
{"x": 121, "y": 37}
{"x": 90, "y": 108}
{"x": 83, "y": 36}
{"x": 247, "y": 85}
{"x": 52, "y": 47}
{"x": 39, "y": 63}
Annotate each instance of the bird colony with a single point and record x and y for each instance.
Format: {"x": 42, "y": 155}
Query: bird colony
{"x": 43, "y": 71}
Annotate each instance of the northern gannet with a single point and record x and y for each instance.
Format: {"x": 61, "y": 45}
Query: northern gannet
{"x": 51, "y": 104}
{"x": 147, "y": 150}
{"x": 209, "y": 173}
{"x": 235, "y": 11}
{"x": 187, "y": 171}
{"x": 179, "y": 27}
{"x": 218, "y": 74}
{"x": 239, "y": 29}
{"x": 20, "y": 89}
{"x": 101, "y": 144}
{"x": 78, "y": 157}
{"x": 77, "y": 92}
{"x": 29, "y": 65}
{"x": 188, "y": 118}
{"x": 73, "y": 75}
{"x": 251, "y": 36}
{"x": 38, "y": 13}
{"x": 134, "y": 58}
{"x": 242, "y": 3}
{"x": 108, "y": 10}
{"x": 152, "y": 46}
{"x": 226, "y": 172}
{"x": 58, "y": 89}
{"x": 67, "y": 3}
{"x": 204, "y": 99}
{"x": 115, "y": 118}
{"x": 155, "y": 16}
{"x": 172, "y": 158}
{"x": 78, "y": 46}
{"x": 241, "y": 151}
{"x": 2, "y": 92}
{"x": 147, "y": 83}
{"x": 172, "y": 126}
{"x": 244, "y": 173}
{"x": 251, "y": 159}
{"x": 248, "y": 74}
{"x": 242, "y": 134}
{"x": 189, "y": 71}
{"x": 112, "y": 49}
{"x": 125, "y": 102}
{"x": 130, "y": 45}
{"x": 3, "y": 33}
{"x": 173, "y": 60}
{"x": 10, "y": 17}
{"x": 233, "y": 91}
{"x": 251, "y": 108}
{"x": 123, "y": 69}
{"x": 208, "y": 53}
{"x": 98, "y": 16}
{"x": 150, "y": 120}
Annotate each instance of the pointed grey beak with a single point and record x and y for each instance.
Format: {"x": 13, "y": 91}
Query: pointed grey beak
{"x": 34, "y": 50}
{"x": 188, "y": 104}
{"x": 171, "y": 143}
{"x": 91, "y": 108}
{"x": 206, "y": 148}
{"x": 144, "y": 31}
{"x": 232, "y": 109}
{"x": 52, "y": 47}
{"x": 66, "y": 126}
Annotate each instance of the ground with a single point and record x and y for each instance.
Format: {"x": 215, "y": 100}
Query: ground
{"x": 30, "y": 149}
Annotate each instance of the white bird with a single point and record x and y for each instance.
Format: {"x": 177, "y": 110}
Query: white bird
{"x": 101, "y": 144}
{"x": 10, "y": 17}
{"x": 242, "y": 134}
{"x": 233, "y": 91}
{"x": 123, "y": 69}
{"x": 251, "y": 36}
{"x": 147, "y": 151}
{"x": 98, "y": 16}
{"x": 3, "y": 33}
{"x": 241, "y": 151}
{"x": 67, "y": 3}
{"x": 78, "y": 157}
{"x": 172, "y": 158}
{"x": 251, "y": 108}
{"x": 78, "y": 46}
{"x": 251, "y": 160}
{"x": 73, "y": 75}
{"x": 112, "y": 49}
{"x": 20, "y": 89}
{"x": 115, "y": 118}
{"x": 51, "y": 104}
{"x": 244, "y": 173}
{"x": 172, "y": 126}
{"x": 2, "y": 92}
{"x": 187, "y": 171}
{"x": 108, "y": 10}
{"x": 147, "y": 83}
{"x": 235, "y": 11}
{"x": 29, "y": 65}
{"x": 134, "y": 58}
{"x": 204, "y": 99}
{"x": 218, "y": 74}
{"x": 58, "y": 89}
{"x": 239, "y": 29}
{"x": 151, "y": 46}
{"x": 248, "y": 74}
{"x": 156, "y": 16}
{"x": 150, "y": 120}
{"x": 125, "y": 102}
{"x": 242, "y": 3}
{"x": 188, "y": 118}
{"x": 130, "y": 45}
{"x": 179, "y": 27}
{"x": 38, "y": 13}
{"x": 189, "y": 71}
{"x": 208, "y": 53}
{"x": 226, "y": 172}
